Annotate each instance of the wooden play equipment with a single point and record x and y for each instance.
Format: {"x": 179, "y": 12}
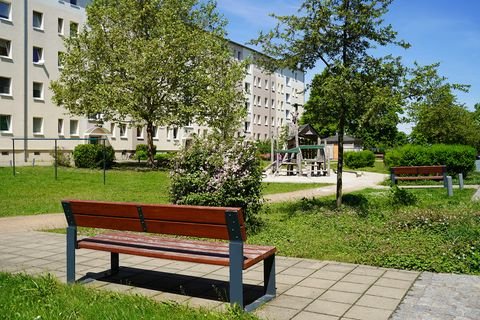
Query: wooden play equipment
{"x": 304, "y": 153}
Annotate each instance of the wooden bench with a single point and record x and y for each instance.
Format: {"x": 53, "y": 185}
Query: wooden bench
{"x": 192, "y": 221}
{"x": 418, "y": 173}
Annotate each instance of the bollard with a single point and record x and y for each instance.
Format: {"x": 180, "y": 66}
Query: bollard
{"x": 11, "y": 164}
{"x": 460, "y": 180}
{"x": 33, "y": 162}
{"x": 449, "y": 186}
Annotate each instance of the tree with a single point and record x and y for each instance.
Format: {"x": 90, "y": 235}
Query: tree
{"x": 377, "y": 96}
{"x": 153, "y": 63}
{"x": 435, "y": 111}
{"x": 341, "y": 34}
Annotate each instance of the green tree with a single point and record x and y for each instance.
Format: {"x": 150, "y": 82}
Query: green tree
{"x": 341, "y": 34}
{"x": 153, "y": 63}
{"x": 437, "y": 115}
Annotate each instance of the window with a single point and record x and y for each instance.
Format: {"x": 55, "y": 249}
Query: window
{"x": 287, "y": 96}
{"x": 273, "y": 122}
{"x": 60, "y": 59}
{"x": 155, "y": 133}
{"x": 123, "y": 130}
{"x": 239, "y": 55}
{"x": 139, "y": 132}
{"x": 258, "y": 101}
{"x": 5, "y": 46}
{"x": 254, "y": 100}
{"x": 247, "y": 87}
{"x": 175, "y": 133}
{"x": 254, "y": 81}
{"x": 37, "y": 125}
{"x": 112, "y": 130}
{"x": 273, "y": 103}
{"x": 4, "y": 10}
{"x": 266, "y": 120}
{"x": 247, "y": 127}
{"x": 259, "y": 82}
{"x": 5, "y": 123}
{"x": 74, "y": 2}
{"x": 37, "y": 20}
{"x": 60, "y": 26}
{"x": 247, "y": 106}
{"x": 74, "y": 127}
{"x": 37, "y": 55}
{"x": 73, "y": 28}
{"x": 60, "y": 127}
{"x": 5, "y": 86}
{"x": 38, "y": 90}
{"x": 273, "y": 86}
{"x": 266, "y": 84}
{"x": 289, "y": 81}
{"x": 266, "y": 102}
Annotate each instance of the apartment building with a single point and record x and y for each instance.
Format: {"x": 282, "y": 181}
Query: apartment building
{"x": 31, "y": 46}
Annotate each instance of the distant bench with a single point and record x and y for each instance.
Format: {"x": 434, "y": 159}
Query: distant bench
{"x": 193, "y": 221}
{"x": 418, "y": 173}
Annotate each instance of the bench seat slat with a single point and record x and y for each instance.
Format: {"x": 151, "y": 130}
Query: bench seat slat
{"x": 175, "y": 249}
{"x": 420, "y": 178}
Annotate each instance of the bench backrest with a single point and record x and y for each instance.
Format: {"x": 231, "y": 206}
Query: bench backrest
{"x": 194, "y": 221}
{"x": 420, "y": 170}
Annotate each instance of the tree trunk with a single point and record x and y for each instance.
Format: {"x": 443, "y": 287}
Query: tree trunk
{"x": 150, "y": 146}
{"x": 341, "y": 130}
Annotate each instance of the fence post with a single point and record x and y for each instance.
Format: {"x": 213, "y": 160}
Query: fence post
{"x": 449, "y": 186}
{"x": 460, "y": 180}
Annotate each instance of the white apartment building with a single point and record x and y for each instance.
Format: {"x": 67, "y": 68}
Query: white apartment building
{"x": 31, "y": 45}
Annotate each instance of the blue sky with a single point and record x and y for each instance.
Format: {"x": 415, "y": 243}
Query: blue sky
{"x": 445, "y": 31}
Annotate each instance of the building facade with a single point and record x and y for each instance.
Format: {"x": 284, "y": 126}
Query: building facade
{"x": 31, "y": 45}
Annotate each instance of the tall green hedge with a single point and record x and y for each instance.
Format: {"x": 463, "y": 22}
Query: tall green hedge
{"x": 91, "y": 156}
{"x": 360, "y": 159}
{"x": 457, "y": 158}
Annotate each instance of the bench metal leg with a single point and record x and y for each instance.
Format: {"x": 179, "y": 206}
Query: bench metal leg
{"x": 71, "y": 245}
{"x": 236, "y": 276}
{"x": 269, "y": 276}
{"x": 114, "y": 263}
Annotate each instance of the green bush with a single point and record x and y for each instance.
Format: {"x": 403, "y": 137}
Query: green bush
{"x": 91, "y": 156}
{"x": 264, "y": 146}
{"x": 402, "y": 197}
{"x": 64, "y": 158}
{"x": 141, "y": 151}
{"x": 164, "y": 160}
{"x": 360, "y": 159}
{"x": 457, "y": 158}
{"x": 219, "y": 173}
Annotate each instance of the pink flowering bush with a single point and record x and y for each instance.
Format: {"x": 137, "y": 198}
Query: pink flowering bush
{"x": 218, "y": 173}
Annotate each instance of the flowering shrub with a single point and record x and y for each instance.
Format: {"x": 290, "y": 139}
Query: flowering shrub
{"x": 215, "y": 173}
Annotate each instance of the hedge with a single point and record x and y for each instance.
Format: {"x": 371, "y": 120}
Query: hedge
{"x": 457, "y": 158}
{"x": 91, "y": 156}
{"x": 360, "y": 159}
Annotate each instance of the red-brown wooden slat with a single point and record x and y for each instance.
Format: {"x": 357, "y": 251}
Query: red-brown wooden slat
{"x": 157, "y": 247}
{"x": 405, "y": 170}
{"x": 104, "y": 209}
{"x": 190, "y": 229}
{"x": 126, "y": 224}
{"x": 210, "y": 215}
{"x": 420, "y": 178}
{"x": 249, "y": 251}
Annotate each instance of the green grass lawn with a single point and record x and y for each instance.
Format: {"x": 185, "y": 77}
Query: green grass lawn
{"x": 26, "y": 297}
{"x": 439, "y": 233}
{"x": 35, "y": 190}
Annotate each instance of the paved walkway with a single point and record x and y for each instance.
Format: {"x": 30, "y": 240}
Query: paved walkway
{"x": 350, "y": 183}
{"x": 307, "y": 289}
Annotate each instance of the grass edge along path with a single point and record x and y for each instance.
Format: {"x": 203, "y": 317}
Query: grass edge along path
{"x": 437, "y": 233}
{"x": 44, "y": 297}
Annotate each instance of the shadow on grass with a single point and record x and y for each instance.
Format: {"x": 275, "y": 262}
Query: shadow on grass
{"x": 163, "y": 282}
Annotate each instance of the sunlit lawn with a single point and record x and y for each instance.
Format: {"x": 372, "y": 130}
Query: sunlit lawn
{"x": 35, "y": 190}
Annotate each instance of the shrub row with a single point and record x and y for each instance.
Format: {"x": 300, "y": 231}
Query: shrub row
{"x": 360, "y": 159}
{"x": 457, "y": 158}
{"x": 91, "y": 156}
{"x": 141, "y": 151}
